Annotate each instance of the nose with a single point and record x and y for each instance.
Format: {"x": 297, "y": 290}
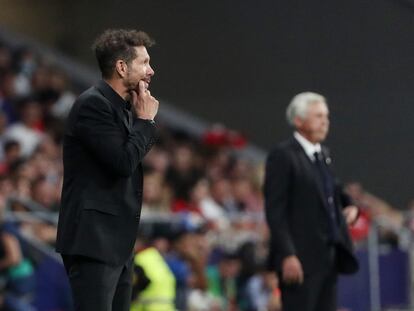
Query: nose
{"x": 151, "y": 71}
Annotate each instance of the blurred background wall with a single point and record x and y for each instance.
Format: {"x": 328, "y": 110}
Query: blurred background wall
{"x": 240, "y": 62}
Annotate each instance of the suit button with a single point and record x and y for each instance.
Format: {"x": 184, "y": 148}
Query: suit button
{"x": 137, "y": 216}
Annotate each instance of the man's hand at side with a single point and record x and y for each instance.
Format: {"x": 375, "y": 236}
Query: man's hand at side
{"x": 351, "y": 214}
{"x": 292, "y": 270}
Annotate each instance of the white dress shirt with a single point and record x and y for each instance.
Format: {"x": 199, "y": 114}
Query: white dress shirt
{"x": 309, "y": 147}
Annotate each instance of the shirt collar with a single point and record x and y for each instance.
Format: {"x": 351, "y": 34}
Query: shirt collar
{"x": 111, "y": 95}
{"x": 309, "y": 147}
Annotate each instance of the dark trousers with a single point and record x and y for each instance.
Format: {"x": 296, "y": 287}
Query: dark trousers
{"x": 316, "y": 293}
{"x": 98, "y": 286}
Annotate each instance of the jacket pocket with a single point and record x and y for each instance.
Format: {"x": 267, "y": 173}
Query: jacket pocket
{"x": 101, "y": 206}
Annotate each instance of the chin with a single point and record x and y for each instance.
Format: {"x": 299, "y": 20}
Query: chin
{"x": 319, "y": 138}
{"x": 322, "y": 138}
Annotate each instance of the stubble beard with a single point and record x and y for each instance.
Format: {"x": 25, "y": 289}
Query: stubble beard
{"x": 130, "y": 84}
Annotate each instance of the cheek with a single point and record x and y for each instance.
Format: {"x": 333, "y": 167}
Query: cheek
{"x": 143, "y": 70}
{"x": 138, "y": 72}
{"x": 319, "y": 124}
{"x": 313, "y": 125}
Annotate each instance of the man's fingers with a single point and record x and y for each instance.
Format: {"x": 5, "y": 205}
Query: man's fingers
{"x": 146, "y": 106}
{"x": 134, "y": 96}
{"x": 351, "y": 214}
{"x": 291, "y": 280}
{"x": 287, "y": 279}
{"x": 300, "y": 279}
{"x": 141, "y": 86}
{"x": 291, "y": 277}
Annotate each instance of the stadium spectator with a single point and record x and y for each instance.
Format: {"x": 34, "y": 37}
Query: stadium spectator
{"x": 27, "y": 131}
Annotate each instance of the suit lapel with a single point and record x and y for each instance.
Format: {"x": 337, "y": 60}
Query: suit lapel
{"x": 122, "y": 116}
{"x": 328, "y": 160}
{"x": 308, "y": 165}
{"x": 115, "y": 100}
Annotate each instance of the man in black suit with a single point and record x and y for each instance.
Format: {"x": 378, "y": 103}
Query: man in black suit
{"x": 307, "y": 212}
{"x": 109, "y": 131}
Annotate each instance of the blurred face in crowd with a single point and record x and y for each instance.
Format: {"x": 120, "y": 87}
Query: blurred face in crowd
{"x": 153, "y": 184}
{"x": 7, "y": 84}
{"x": 41, "y": 78}
{"x": 229, "y": 267}
{"x": 161, "y": 244}
{"x": 49, "y": 148}
{"x": 12, "y": 153}
{"x": 6, "y": 186}
{"x": 158, "y": 159}
{"x": 241, "y": 168}
{"x": 242, "y": 189}
{"x": 23, "y": 187}
{"x": 185, "y": 245}
{"x": 58, "y": 81}
{"x": 200, "y": 191}
{"x": 315, "y": 126}
{"x": 44, "y": 193}
{"x": 5, "y": 58}
{"x": 183, "y": 158}
{"x": 31, "y": 114}
{"x": 355, "y": 190}
{"x": 139, "y": 69}
{"x": 202, "y": 244}
{"x": 3, "y": 122}
{"x": 221, "y": 191}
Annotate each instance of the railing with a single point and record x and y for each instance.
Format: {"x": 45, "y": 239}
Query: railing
{"x": 384, "y": 281}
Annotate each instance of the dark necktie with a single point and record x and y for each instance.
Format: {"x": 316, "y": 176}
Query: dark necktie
{"x": 328, "y": 184}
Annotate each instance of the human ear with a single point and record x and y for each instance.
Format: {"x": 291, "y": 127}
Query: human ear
{"x": 121, "y": 68}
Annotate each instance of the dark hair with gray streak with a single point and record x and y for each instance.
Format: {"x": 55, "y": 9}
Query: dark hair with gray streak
{"x": 115, "y": 44}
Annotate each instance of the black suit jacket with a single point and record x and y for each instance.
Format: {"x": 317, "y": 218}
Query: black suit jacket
{"x": 102, "y": 187}
{"x": 297, "y": 212}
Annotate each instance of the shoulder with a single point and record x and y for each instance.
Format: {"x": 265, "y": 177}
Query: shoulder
{"x": 92, "y": 97}
{"x": 282, "y": 149}
{"x": 92, "y": 101}
{"x": 90, "y": 105}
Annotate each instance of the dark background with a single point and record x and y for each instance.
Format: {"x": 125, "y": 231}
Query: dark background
{"x": 240, "y": 63}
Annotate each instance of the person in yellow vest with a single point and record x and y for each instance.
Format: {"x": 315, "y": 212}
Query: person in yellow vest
{"x": 154, "y": 283}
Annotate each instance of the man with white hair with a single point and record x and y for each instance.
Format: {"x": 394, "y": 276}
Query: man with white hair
{"x": 307, "y": 211}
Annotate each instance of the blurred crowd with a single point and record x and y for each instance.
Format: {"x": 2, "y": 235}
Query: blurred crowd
{"x": 202, "y": 214}
{"x": 202, "y": 202}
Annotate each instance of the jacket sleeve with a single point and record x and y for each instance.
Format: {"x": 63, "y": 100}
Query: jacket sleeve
{"x": 96, "y": 128}
{"x": 346, "y": 200}
{"x": 276, "y": 191}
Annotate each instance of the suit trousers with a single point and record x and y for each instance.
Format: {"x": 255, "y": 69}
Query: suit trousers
{"x": 316, "y": 293}
{"x": 97, "y": 285}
